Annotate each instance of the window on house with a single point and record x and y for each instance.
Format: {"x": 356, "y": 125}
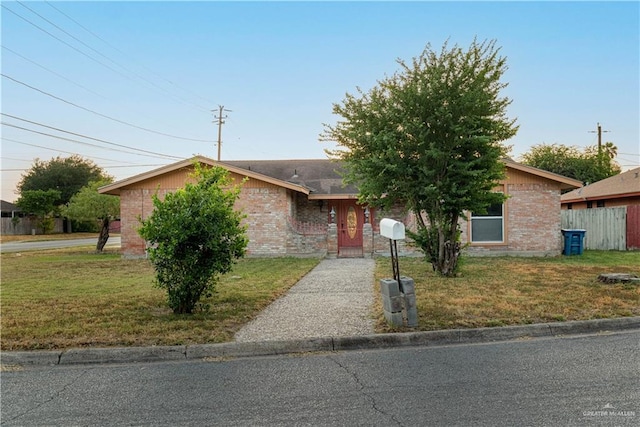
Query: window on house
{"x": 589, "y": 205}
{"x": 488, "y": 227}
{"x": 600, "y": 204}
{"x": 569, "y": 206}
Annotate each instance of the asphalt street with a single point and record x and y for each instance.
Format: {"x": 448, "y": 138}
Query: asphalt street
{"x": 54, "y": 244}
{"x": 570, "y": 381}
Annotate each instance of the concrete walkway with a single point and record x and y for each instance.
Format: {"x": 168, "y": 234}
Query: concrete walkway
{"x": 333, "y": 300}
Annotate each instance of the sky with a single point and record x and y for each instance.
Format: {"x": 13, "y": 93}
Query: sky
{"x": 136, "y": 85}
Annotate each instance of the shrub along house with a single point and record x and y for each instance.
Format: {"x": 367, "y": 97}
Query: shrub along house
{"x": 302, "y": 208}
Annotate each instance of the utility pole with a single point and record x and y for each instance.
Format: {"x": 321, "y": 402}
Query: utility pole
{"x": 599, "y": 132}
{"x": 220, "y": 121}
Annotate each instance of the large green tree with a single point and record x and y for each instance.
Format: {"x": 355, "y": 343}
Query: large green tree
{"x": 89, "y": 205}
{"x": 588, "y": 165}
{"x": 429, "y": 137}
{"x": 40, "y": 203}
{"x": 64, "y": 174}
{"x": 194, "y": 235}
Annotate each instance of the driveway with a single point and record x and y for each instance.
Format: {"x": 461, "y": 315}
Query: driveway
{"x": 55, "y": 244}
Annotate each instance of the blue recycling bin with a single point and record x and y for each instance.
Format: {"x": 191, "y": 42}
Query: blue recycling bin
{"x": 573, "y": 241}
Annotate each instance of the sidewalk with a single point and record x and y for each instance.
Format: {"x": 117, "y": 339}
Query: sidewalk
{"x": 333, "y": 300}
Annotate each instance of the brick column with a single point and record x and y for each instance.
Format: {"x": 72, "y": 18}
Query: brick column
{"x": 367, "y": 240}
{"x": 332, "y": 241}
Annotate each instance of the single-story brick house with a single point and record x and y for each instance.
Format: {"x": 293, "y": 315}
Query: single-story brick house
{"x": 302, "y": 208}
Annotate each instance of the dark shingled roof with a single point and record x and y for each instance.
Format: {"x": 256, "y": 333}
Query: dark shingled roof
{"x": 8, "y": 206}
{"x": 320, "y": 176}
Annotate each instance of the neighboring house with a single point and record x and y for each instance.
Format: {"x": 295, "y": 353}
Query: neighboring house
{"x": 10, "y": 210}
{"x": 609, "y": 211}
{"x": 302, "y": 208}
{"x": 15, "y": 222}
{"x": 618, "y": 190}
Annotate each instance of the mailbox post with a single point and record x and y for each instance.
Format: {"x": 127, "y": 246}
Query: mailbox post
{"x": 394, "y": 231}
{"x": 398, "y": 294}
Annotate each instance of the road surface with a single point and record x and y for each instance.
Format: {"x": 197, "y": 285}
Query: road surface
{"x": 570, "y": 381}
{"x": 55, "y": 244}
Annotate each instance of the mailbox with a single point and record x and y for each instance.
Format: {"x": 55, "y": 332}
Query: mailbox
{"x": 391, "y": 229}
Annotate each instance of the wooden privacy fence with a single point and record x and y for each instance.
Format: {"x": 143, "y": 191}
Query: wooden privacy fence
{"x": 26, "y": 225}
{"x": 606, "y": 227}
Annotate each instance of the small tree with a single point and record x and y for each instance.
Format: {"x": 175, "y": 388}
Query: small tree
{"x": 89, "y": 205}
{"x": 429, "y": 137}
{"x": 194, "y": 236}
{"x": 588, "y": 166}
{"x": 42, "y": 204}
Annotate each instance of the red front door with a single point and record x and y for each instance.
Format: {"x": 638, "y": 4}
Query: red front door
{"x": 350, "y": 218}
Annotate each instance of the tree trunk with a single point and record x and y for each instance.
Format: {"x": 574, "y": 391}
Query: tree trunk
{"x": 104, "y": 235}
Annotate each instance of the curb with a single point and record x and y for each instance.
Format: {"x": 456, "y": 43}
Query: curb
{"x": 270, "y": 348}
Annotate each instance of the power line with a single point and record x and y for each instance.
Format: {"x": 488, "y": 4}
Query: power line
{"x": 99, "y": 53}
{"x": 163, "y": 156}
{"x": 127, "y": 56}
{"x": 87, "y": 137}
{"x": 15, "y": 160}
{"x": 64, "y": 42}
{"x": 52, "y": 72}
{"x": 59, "y": 151}
{"x": 55, "y": 73}
{"x": 100, "y": 114}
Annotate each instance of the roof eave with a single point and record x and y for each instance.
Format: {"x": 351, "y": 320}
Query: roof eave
{"x": 114, "y": 188}
{"x": 601, "y": 197}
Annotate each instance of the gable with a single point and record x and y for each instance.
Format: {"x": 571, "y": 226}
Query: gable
{"x": 518, "y": 177}
{"x": 523, "y": 174}
{"x": 177, "y": 174}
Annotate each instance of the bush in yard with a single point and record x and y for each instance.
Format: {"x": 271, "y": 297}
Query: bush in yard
{"x": 195, "y": 235}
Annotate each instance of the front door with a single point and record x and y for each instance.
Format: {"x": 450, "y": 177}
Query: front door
{"x": 350, "y": 219}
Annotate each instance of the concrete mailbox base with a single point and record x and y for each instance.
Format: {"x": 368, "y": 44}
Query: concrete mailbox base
{"x": 399, "y": 303}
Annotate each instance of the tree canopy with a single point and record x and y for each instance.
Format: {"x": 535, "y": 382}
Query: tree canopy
{"x": 89, "y": 205}
{"x": 429, "y": 137}
{"x": 588, "y": 165}
{"x": 64, "y": 174}
{"x": 194, "y": 235}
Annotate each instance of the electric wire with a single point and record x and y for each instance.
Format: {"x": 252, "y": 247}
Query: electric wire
{"x": 125, "y": 55}
{"x": 100, "y": 114}
{"x": 64, "y": 42}
{"x": 60, "y": 151}
{"x": 86, "y": 137}
{"x": 156, "y": 155}
{"x": 52, "y": 72}
{"x": 176, "y": 98}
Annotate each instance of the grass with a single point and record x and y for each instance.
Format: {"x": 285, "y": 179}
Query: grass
{"x": 75, "y": 298}
{"x": 72, "y": 298}
{"x": 509, "y": 290}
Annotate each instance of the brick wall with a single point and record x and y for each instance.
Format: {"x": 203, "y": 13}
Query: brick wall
{"x": 135, "y": 204}
{"x": 283, "y": 222}
{"x": 266, "y": 211}
{"x": 532, "y": 222}
{"x": 307, "y": 226}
